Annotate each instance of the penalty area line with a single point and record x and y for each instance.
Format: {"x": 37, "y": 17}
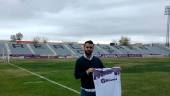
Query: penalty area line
{"x": 42, "y": 77}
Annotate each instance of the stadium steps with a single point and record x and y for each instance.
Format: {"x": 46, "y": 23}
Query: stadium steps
{"x": 74, "y": 54}
{"x": 29, "y": 47}
{"x": 117, "y": 50}
{"x": 55, "y": 54}
{"x": 103, "y": 51}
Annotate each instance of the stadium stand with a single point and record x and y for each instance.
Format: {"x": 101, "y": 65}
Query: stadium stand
{"x": 133, "y": 50}
{"x": 98, "y": 51}
{"x": 76, "y": 49}
{"x": 165, "y": 49}
{"x": 41, "y": 49}
{"x": 109, "y": 51}
{"x": 144, "y": 50}
{"x": 19, "y": 49}
{"x": 66, "y": 50}
{"x": 60, "y": 50}
{"x": 158, "y": 50}
{"x": 2, "y": 46}
{"x": 122, "y": 51}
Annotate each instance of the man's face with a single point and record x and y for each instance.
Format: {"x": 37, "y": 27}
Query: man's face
{"x": 88, "y": 48}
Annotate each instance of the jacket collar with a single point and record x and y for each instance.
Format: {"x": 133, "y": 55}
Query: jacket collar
{"x": 91, "y": 57}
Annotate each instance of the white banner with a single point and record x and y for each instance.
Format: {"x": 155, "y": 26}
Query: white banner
{"x": 107, "y": 81}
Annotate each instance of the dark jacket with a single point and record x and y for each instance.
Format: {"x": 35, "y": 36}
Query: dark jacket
{"x": 82, "y": 64}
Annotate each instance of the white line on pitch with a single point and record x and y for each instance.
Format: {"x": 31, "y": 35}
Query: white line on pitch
{"x": 34, "y": 82}
{"x": 42, "y": 77}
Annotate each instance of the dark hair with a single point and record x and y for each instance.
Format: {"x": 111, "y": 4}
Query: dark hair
{"x": 89, "y": 41}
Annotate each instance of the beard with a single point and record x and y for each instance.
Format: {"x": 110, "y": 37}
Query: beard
{"x": 88, "y": 53}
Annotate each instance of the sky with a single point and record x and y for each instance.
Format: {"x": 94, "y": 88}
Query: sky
{"x": 103, "y": 21}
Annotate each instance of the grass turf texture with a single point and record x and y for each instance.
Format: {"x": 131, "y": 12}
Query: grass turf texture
{"x": 140, "y": 77}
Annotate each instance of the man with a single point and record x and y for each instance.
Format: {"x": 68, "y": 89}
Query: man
{"x": 84, "y": 67}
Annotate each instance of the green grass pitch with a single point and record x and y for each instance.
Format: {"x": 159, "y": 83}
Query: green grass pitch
{"x": 139, "y": 77}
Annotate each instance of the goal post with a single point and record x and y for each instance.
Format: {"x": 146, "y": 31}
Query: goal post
{"x": 4, "y": 55}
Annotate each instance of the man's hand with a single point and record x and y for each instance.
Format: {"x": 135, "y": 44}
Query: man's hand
{"x": 90, "y": 70}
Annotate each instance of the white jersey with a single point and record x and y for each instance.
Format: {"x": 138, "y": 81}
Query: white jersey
{"x": 107, "y": 81}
